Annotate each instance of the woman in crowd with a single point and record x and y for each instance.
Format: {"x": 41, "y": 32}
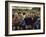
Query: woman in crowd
{"x": 28, "y": 21}
{"x": 16, "y": 20}
{"x": 22, "y": 21}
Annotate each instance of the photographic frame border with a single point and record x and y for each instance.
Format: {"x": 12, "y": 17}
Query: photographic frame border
{"x": 6, "y": 18}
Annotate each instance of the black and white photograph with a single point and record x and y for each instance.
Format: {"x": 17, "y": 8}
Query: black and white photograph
{"x": 24, "y": 18}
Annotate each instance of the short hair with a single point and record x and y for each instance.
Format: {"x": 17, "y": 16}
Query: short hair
{"x": 24, "y": 13}
{"x": 13, "y": 16}
{"x": 19, "y": 12}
